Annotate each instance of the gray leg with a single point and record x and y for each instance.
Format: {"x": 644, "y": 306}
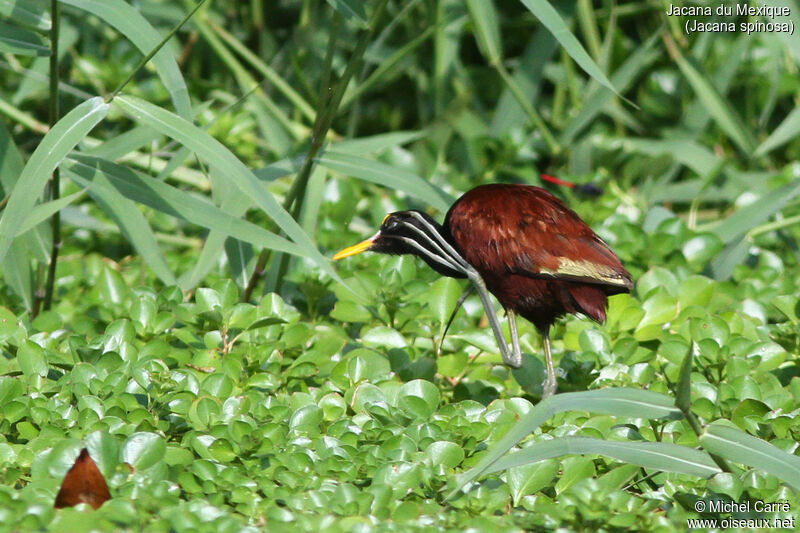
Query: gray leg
{"x": 550, "y": 384}
{"x": 514, "y": 360}
{"x": 516, "y": 354}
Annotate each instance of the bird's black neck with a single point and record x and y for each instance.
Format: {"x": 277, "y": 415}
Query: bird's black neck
{"x": 416, "y": 233}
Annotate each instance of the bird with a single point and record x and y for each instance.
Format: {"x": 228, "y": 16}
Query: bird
{"x": 523, "y": 245}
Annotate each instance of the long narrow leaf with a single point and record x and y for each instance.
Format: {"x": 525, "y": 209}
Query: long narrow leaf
{"x": 235, "y": 204}
{"x": 129, "y": 22}
{"x": 756, "y": 213}
{"x": 376, "y": 143}
{"x": 484, "y": 18}
{"x": 725, "y": 117}
{"x": 216, "y": 154}
{"x": 58, "y": 142}
{"x": 553, "y": 21}
{"x": 631, "y": 403}
{"x": 33, "y": 13}
{"x": 388, "y": 176}
{"x": 174, "y": 202}
{"x": 597, "y": 100}
{"x": 740, "y": 447}
{"x": 16, "y": 267}
{"x": 785, "y": 132}
{"x": 689, "y": 153}
{"x": 663, "y": 456}
{"x": 15, "y": 40}
{"x": 42, "y": 212}
{"x": 129, "y": 220}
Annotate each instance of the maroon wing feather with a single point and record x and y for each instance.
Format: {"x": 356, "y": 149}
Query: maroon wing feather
{"x": 512, "y": 232}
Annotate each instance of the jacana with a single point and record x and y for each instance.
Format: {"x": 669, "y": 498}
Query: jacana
{"x": 523, "y": 245}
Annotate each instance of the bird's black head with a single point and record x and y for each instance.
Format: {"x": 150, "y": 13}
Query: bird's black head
{"x": 410, "y": 232}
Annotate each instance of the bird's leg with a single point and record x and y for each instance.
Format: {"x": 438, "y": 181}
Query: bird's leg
{"x": 550, "y": 384}
{"x": 480, "y": 286}
{"x": 442, "y": 246}
{"x": 516, "y": 354}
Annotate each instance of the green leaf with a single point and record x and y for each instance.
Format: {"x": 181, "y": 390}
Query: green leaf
{"x": 376, "y": 143}
{"x": 143, "y": 450}
{"x": 739, "y": 447}
{"x": 16, "y": 40}
{"x": 58, "y": 142}
{"x": 597, "y": 100}
{"x": 683, "y": 398}
{"x": 573, "y": 470}
{"x": 442, "y": 298}
{"x": 633, "y": 403}
{"x": 351, "y": 9}
{"x": 33, "y": 13}
{"x": 100, "y": 174}
{"x": 387, "y": 176}
{"x": 484, "y": 18}
{"x": 17, "y": 265}
{"x": 211, "y": 150}
{"x": 44, "y": 211}
{"x": 104, "y": 450}
{"x": 384, "y": 336}
{"x": 445, "y": 453}
{"x": 735, "y": 226}
{"x": 31, "y": 359}
{"x": 663, "y": 456}
{"x": 531, "y": 478}
{"x": 688, "y": 153}
{"x": 418, "y": 398}
{"x": 718, "y": 108}
{"x": 553, "y": 21}
{"x": 128, "y": 21}
{"x": 785, "y": 132}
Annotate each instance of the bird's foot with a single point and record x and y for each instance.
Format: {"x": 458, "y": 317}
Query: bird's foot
{"x": 549, "y": 386}
{"x": 513, "y": 360}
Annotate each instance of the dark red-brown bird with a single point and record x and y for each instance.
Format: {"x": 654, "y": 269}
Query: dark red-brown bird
{"x": 525, "y": 246}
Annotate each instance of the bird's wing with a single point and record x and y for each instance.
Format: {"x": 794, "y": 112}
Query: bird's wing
{"x": 529, "y": 232}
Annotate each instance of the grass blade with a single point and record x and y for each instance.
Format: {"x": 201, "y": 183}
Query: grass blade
{"x": 553, "y": 21}
{"x": 376, "y": 143}
{"x": 388, "y": 176}
{"x": 16, "y": 40}
{"x": 43, "y": 211}
{"x": 598, "y": 99}
{"x": 130, "y": 220}
{"x": 740, "y": 447}
{"x": 747, "y": 218}
{"x": 129, "y": 22}
{"x": 630, "y": 403}
{"x": 785, "y": 132}
{"x": 662, "y": 456}
{"x": 32, "y": 13}
{"x": 719, "y": 109}
{"x": 686, "y": 152}
{"x": 174, "y": 202}
{"x": 55, "y": 146}
{"x": 484, "y": 18}
{"x": 235, "y": 204}
{"x": 213, "y": 152}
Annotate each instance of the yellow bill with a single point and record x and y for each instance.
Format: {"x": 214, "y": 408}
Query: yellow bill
{"x": 353, "y": 250}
